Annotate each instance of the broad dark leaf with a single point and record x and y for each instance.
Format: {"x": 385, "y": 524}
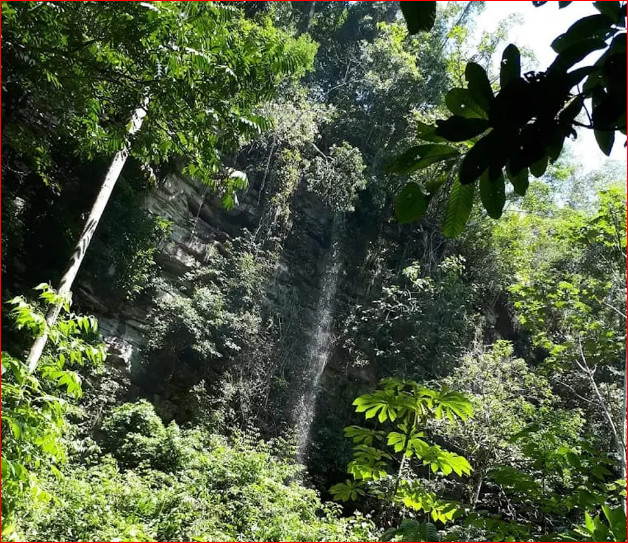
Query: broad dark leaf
{"x": 493, "y": 195}
{"x": 576, "y": 76}
{"x": 458, "y": 128}
{"x": 479, "y": 85}
{"x": 519, "y": 181}
{"x": 605, "y": 140}
{"x": 419, "y": 157}
{"x": 477, "y": 160}
{"x": 458, "y": 209}
{"x": 555, "y": 142}
{"x": 609, "y": 111}
{"x": 427, "y": 132}
{"x": 610, "y": 9}
{"x": 460, "y": 102}
{"x": 538, "y": 168}
{"x": 593, "y": 26}
{"x": 576, "y": 52}
{"x": 510, "y": 68}
{"x": 562, "y": 5}
{"x": 419, "y": 16}
{"x": 410, "y": 204}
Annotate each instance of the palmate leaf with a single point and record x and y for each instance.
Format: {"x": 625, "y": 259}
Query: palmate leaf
{"x": 350, "y": 490}
{"x": 444, "y": 511}
{"x": 451, "y": 403}
{"x": 413, "y": 530}
{"x": 411, "y": 444}
{"x": 445, "y": 462}
{"x": 368, "y": 465}
{"x": 382, "y": 403}
{"x": 363, "y": 435}
{"x": 397, "y": 440}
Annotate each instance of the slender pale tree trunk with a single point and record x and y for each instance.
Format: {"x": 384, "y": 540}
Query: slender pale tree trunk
{"x": 310, "y": 16}
{"x": 625, "y": 428}
{"x": 86, "y": 236}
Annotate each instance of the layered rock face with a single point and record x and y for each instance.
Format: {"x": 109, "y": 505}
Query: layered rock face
{"x": 201, "y": 229}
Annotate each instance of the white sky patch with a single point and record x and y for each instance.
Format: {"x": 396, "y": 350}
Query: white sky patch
{"x": 540, "y": 27}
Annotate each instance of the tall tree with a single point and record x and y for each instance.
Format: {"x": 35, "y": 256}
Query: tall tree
{"x": 84, "y": 69}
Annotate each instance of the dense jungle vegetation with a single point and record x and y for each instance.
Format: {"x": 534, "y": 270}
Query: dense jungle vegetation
{"x": 310, "y": 271}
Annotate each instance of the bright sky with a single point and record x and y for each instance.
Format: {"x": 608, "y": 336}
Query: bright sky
{"x": 541, "y": 25}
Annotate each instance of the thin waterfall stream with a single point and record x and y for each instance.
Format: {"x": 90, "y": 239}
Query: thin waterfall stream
{"x": 319, "y": 347}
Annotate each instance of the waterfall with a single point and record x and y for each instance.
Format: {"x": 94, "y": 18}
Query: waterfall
{"x": 319, "y": 346}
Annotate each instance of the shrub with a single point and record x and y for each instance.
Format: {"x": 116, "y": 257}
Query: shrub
{"x": 227, "y": 490}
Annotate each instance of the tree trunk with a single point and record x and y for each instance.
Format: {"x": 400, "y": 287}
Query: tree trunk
{"x": 86, "y": 236}
{"x": 625, "y": 427}
{"x": 310, "y": 16}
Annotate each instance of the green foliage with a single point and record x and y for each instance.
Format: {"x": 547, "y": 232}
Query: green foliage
{"x": 338, "y": 177}
{"x": 418, "y": 323}
{"x": 233, "y": 490}
{"x": 122, "y": 259}
{"x": 505, "y": 143}
{"x": 595, "y": 529}
{"x": 406, "y": 410}
{"x": 411, "y": 530}
{"x": 135, "y": 436}
{"x": 541, "y": 430}
{"x": 210, "y": 331}
{"x": 203, "y": 67}
{"x": 34, "y": 405}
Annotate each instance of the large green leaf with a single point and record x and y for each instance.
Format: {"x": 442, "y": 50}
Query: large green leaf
{"x": 458, "y": 209}
{"x": 510, "y": 67}
{"x": 362, "y": 435}
{"x": 617, "y": 521}
{"x": 478, "y": 159}
{"x": 349, "y": 490}
{"x": 519, "y": 181}
{"x": 605, "y": 140}
{"x": 576, "y": 52}
{"x": 479, "y": 85}
{"x": 421, "y": 156}
{"x": 381, "y": 404}
{"x": 410, "y": 204}
{"x": 458, "y": 128}
{"x": 493, "y": 195}
{"x": 419, "y": 16}
{"x": 413, "y": 530}
{"x": 460, "y": 102}
{"x": 427, "y": 132}
{"x": 450, "y": 403}
{"x": 609, "y": 8}
{"x": 593, "y": 26}
{"x": 538, "y": 168}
